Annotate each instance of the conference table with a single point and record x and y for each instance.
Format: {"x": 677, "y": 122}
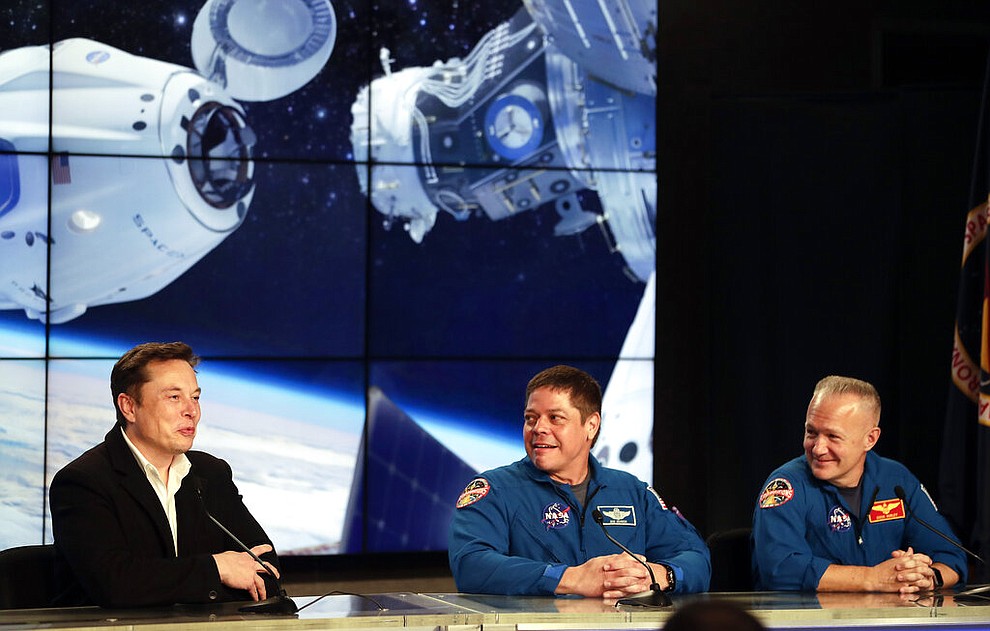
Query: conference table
{"x": 474, "y": 612}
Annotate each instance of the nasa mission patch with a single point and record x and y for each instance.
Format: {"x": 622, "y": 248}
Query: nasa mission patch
{"x": 474, "y": 491}
{"x": 779, "y": 491}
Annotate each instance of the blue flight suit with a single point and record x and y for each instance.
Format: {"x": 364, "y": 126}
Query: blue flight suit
{"x": 515, "y": 531}
{"x": 801, "y": 525}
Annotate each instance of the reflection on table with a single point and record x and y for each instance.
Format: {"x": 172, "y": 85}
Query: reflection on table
{"x": 963, "y": 611}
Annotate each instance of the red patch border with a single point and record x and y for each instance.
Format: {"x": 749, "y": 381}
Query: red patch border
{"x": 771, "y": 498}
{"x": 897, "y": 511}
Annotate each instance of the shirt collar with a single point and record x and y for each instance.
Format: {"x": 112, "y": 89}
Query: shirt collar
{"x": 180, "y": 464}
{"x": 594, "y": 470}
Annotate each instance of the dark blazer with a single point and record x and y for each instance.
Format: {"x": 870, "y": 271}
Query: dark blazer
{"x": 112, "y": 537}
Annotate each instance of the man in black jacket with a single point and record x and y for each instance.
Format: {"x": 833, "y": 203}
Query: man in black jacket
{"x": 129, "y": 516}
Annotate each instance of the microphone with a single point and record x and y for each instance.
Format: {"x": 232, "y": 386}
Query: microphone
{"x": 280, "y": 603}
{"x": 899, "y": 492}
{"x": 653, "y": 598}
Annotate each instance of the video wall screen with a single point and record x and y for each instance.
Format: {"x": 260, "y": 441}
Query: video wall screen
{"x": 375, "y": 221}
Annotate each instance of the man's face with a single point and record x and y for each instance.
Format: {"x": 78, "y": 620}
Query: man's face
{"x": 557, "y": 442}
{"x": 838, "y": 432}
{"x": 162, "y": 420}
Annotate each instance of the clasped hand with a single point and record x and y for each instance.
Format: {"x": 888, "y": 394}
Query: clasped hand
{"x": 624, "y": 576}
{"x": 907, "y": 571}
{"x": 239, "y": 571}
{"x": 610, "y": 576}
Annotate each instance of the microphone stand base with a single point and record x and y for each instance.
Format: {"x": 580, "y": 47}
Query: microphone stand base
{"x": 646, "y": 599}
{"x": 276, "y": 604}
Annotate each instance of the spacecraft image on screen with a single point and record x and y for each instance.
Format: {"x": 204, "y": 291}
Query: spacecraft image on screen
{"x": 163, "y": 215}
{"x": 556, "y": 111}
{"x": 374, "y": 222}
{"x": 518, "y": 101}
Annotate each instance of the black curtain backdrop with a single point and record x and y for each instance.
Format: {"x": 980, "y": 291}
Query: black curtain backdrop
{"x": 814, "y": 179}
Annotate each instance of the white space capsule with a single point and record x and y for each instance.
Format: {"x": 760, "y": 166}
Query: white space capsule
{"x": 153, "y": 162}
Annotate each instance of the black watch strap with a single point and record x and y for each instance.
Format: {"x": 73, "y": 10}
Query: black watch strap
{"x": 672, "y": 578}
{"x": 937, "y": 578}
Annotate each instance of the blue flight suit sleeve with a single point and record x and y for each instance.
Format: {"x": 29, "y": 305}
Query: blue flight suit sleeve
{"x": 782, "y": 556}
{"x": 478, "y": 549}
{"x": 673, "y": 541}
{"x": 925, "y": 541}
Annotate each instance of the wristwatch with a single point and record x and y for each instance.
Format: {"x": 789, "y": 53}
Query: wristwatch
{"x": 937, "y": 578}
{"x": 672, "y": 578}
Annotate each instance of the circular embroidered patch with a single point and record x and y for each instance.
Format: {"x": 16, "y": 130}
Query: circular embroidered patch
{"x": 556, "y": 515}
{"x": 839, "y": 520}
{"x": 474, "y": 491}
{"x": 779, "y": 491}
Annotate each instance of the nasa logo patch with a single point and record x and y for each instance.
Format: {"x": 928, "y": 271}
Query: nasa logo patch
{"x": 839, "y": 520}
{"x": 474, "y": 491}
{"x": 556, "y": 516}
{"x": 779, "y": 491}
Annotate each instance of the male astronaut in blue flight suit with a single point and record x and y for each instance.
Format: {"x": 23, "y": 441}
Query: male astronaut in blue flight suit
{"x": 527, "y": 528}
{"x": 841, "y": 518}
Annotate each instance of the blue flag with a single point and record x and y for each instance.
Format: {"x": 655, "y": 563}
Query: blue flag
{"x": 964, "y": 492}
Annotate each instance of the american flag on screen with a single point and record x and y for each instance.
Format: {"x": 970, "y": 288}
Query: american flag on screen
{"x": 61, "y": 174}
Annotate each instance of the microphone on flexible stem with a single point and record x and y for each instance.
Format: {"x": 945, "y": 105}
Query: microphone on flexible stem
{"x": 899, "y": 492}
{"x": 280, "y": 603}
{"x": 653, "y": 598}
